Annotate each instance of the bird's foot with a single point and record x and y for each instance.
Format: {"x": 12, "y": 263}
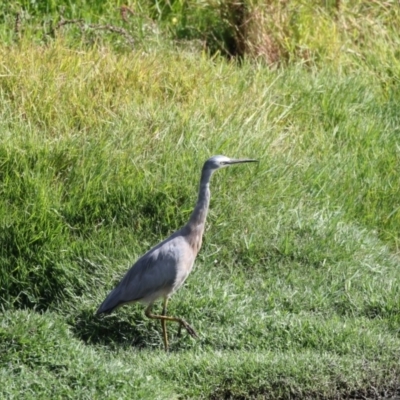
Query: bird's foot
{"x": 188, "y": 328}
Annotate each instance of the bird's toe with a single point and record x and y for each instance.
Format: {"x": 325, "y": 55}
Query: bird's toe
{"x": 190, "y": 330}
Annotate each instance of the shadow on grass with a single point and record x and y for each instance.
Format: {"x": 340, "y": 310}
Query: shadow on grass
{"x": 114, "y": 330}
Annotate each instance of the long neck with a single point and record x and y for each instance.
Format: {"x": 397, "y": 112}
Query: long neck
{"x": 199, "y": 214}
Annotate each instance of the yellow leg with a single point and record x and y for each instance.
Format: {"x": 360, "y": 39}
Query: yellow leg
{"x": 165, "y": 318}
{"x": 164, "y": 324}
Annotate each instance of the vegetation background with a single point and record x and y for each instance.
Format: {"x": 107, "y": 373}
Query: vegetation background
{"x": 108, "y": 111}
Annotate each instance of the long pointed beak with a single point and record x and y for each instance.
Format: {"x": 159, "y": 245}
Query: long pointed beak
{"x": 240, "y": 160}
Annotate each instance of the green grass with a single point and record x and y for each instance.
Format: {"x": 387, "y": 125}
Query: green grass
{"x": 296, "y": 291}
{"x": 276, "y": 32}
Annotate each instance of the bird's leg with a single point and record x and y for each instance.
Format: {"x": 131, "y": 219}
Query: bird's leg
{"x": 180, "y": 321}
{"x": 164, "y": 323}
{"x": 179, "y": 330}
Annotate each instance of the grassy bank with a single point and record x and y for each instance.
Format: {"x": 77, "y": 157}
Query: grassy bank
{"x": 274, "y": 32}
{"x": 296, "y": 289}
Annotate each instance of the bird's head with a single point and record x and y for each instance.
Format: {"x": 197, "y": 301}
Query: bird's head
{"x": 217, "y": 162}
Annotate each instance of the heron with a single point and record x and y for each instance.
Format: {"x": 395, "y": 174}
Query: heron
{"x": 164, "y": 268}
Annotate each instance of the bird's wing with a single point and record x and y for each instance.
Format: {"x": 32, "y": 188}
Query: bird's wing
{"x": 155, "y": 271}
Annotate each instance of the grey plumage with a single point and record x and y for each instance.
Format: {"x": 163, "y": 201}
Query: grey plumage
{"x": 164, "y": 268}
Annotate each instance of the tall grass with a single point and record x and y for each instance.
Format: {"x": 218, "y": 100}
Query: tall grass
{"x": 277, "y": 32}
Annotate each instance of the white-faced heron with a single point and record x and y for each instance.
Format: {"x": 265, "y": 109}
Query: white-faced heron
{"x": 164, "y": 268}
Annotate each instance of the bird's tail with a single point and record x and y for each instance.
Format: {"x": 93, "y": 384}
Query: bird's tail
{"x": 109, "y": 304}
{"x": 103, "y": 310}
